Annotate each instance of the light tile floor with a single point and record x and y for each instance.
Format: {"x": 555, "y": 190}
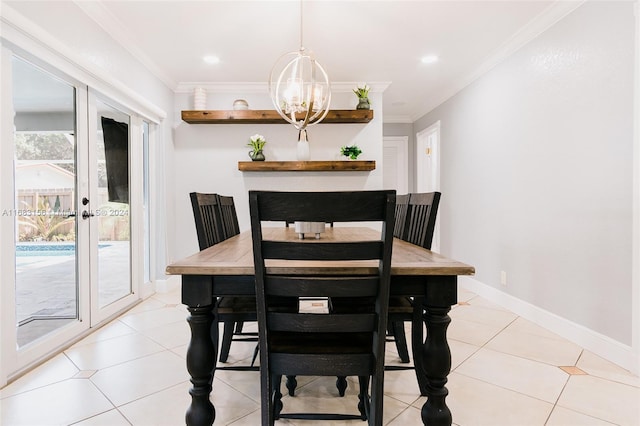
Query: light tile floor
{"x": 505, "y": 371}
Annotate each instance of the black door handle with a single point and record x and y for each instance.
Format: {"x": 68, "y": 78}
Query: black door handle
{"x": 87, "y": 215}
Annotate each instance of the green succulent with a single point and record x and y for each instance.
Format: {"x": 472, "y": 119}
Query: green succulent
{"x": 257, "y": 142}
{"x": 350, "y": 151}
{"x": 362, "y": 92}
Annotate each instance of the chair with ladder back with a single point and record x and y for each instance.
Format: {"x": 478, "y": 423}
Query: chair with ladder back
{"x": 322, "y": 344}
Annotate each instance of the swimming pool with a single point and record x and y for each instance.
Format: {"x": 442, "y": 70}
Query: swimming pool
{"x": 48, "y": 249}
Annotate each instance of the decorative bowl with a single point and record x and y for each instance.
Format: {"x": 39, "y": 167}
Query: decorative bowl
{"x": 240, "y": 104}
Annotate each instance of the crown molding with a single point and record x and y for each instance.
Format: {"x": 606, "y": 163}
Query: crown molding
{"x": 34, "y": 40}
{"x": 543, "y": 21}
{"x": 222, "y": 87}
{"x": 397, "y": 119}
{"x": 97, "y": 12}
{"x": 263, "y": 87}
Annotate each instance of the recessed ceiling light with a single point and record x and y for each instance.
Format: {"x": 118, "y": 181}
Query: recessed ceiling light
{"x": 429, "y": 59}
{"x": 210, "y": 59}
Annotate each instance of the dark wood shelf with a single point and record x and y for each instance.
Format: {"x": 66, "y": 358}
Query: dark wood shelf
{"x": 266, "y": 116}
{"x": 306, "y": 166}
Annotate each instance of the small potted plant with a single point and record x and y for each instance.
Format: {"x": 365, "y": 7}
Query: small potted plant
{"x": 362, "y": 92}
{"x": 257, "y": 143}
{"x": 350, "y": 152}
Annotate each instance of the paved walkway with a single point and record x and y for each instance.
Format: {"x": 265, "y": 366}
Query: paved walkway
{"x": 46, "y": 285}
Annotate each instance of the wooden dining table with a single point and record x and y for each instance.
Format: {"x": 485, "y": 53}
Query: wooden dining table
{"x": 226, "y": 269}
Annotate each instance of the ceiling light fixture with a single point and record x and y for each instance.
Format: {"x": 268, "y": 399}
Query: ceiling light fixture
{"x": 210, "y": 59}
{"x": 430, "y": 59}
{"x": 300, "y": 91}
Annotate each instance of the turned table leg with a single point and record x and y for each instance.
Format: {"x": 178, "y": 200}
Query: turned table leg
{"x": 202, "y": 352}
{"x": 201, "y": 360}
{"x": 436, "y": 364}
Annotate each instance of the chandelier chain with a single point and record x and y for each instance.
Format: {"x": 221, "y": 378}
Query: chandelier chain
{"x": 301, "y": 25}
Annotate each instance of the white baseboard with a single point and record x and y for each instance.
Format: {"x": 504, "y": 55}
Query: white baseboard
{"x": 170, "y": 283}
{"x": 593, "y": 341}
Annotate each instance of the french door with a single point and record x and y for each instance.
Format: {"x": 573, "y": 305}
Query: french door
{"x": 72, "y": 210}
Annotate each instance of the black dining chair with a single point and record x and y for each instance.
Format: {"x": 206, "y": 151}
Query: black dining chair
{"x": 395, "y": 334}
{"x": 237, "y": 308}
{"x": 216, "y": 220}
{"x": 418, "y": 229}
{"x": 322, "y": 344}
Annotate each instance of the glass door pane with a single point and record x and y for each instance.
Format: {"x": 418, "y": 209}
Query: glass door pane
{"x": 46, "y": 286}
{"x": 112, "y": 204}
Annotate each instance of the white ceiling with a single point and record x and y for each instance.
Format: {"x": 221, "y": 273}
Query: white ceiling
{"x": 356, "y": 41}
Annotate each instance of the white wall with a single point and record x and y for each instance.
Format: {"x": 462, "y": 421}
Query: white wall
{"x": 206, "y": 156}
{"x": 537, "y": 171}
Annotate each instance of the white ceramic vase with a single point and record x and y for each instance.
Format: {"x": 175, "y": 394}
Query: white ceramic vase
{"x": 302, "y": 150}
{"x": 199, "y": 99}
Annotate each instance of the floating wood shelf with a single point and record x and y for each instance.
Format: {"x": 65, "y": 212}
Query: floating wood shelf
{"x": 306, "y": 166}
{"x": 266, "y": 116}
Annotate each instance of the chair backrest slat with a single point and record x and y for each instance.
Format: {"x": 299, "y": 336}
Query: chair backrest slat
{"x": 363, "y": 208}
{"x": 315, "y": 323}
{"x": 358, "y": 286}
{"x": 322, "y": 250}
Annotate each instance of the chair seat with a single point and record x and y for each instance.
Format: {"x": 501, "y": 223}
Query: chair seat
{"x": 400, "y": 305}
{"x": 237, "y": 306}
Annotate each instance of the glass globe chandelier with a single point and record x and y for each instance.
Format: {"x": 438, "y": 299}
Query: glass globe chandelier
{"x": 300, "y": 91}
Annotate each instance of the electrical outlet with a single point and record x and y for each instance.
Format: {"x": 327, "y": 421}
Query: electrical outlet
{"x": 503, "y": 278}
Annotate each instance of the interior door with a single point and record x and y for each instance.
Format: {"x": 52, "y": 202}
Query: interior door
{"x": 395, "y": 163}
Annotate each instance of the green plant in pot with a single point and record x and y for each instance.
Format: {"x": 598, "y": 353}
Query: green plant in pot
{"x": 362, "y": 92}
{"x": 257, "y": 143}
{"x": 352, "y": 152}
